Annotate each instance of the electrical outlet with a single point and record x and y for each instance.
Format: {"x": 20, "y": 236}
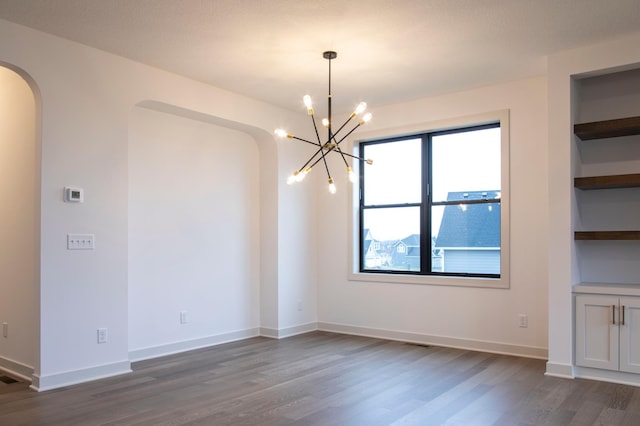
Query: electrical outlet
{"x": 184, "y": 318}
{"x": 524, "y": 320}
{"x": 5, "y": 329}
{"x": 102, "y": 335}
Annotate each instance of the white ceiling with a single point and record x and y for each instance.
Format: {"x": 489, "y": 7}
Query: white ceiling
{"x": 388, "y": 50}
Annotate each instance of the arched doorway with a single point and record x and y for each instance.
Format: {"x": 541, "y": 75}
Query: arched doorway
{"x": 19, "y": 224}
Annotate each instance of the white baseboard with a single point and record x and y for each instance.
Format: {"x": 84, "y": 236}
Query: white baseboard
{"x": 564, "y": 371}
{"x": 58, "y": 380}
{"x": 189, "y": 345}
{"x": 618, "y": 377}
{"x": 17, "y": 369}
{"x": 451, "y": 342}
{"x": 289, "y": 331}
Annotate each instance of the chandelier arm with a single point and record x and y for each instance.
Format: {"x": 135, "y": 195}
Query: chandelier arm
{"x": 342, "y": 155}
{"x": 315, "y": 127}
{"x": 328, "y": 151}
{"x": 343, "y": 124}
{"x": 311, "y": 159}
{"x": 337, "y": 143}
{"x": 347, "y": 135}
{"x": 324, "y": 160}
{"x": 336, "y": 147}
{"x": 352, "y": 156}
{"x": 315, "y": 162}
{"x": 304, "y": 140}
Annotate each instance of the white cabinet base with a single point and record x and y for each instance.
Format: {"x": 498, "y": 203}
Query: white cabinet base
{"x": 607, "y": 336}
{"x": 597, "y": 335}
{"x": 630, "y": 334}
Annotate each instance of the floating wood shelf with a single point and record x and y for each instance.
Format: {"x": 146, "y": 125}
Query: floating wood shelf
{"x": 608, "y": 128}
{"x": 607, "y": 182}
{"x": 606, "y": 235}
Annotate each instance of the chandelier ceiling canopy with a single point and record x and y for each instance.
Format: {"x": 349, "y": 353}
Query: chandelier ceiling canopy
{"x": 333, "y": 140}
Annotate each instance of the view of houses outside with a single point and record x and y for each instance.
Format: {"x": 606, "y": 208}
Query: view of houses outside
{"x": 467, "y": 240}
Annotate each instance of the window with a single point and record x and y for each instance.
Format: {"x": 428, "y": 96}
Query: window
{"x": 432, "y": 204}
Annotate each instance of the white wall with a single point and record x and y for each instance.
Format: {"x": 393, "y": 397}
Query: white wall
{"x": 562, "y": 110}
{"x": 471, "y": 317}
{"x": 297, "y": 295}
{"x": 193, "y": 231}
{"x": 87, "y": 98}
{"x": 18, "y": 222}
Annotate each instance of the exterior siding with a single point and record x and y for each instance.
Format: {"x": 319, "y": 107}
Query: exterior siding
{"x": 472, "y": 261}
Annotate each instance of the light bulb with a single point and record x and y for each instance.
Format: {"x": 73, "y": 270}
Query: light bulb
{"x": 352, "y": 176}
{"x": 307, "y": 102}
{"x": 367, "y": 117}
{"x": 325, "y": 122}
{"x": 332, "y": 186}
{"x": 281, "y": 133}
{"x": 300, "y": 176}
{"x": 293, "y": 178}
{"x": 360, "y": 108}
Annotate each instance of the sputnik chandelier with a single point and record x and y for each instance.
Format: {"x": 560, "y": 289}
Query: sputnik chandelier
{"x": 332, "y": 143}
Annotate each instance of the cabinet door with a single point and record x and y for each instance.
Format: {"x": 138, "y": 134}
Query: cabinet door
{"x": 597, "y": 334}
{"x": 630, "y": 334}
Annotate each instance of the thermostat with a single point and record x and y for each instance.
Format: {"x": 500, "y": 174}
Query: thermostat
{"x": 73, "y": 195}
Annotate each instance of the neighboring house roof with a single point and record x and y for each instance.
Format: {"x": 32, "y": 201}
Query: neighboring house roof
{"x": 476, "y": 226}
{"x": 412, "y": 240}
{"x": 365, "y": 246}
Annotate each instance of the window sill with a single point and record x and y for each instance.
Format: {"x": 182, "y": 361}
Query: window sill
{"x": 499, "y": 283}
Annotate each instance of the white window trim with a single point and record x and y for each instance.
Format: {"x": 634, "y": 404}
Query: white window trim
{"x": 503, "y": 282}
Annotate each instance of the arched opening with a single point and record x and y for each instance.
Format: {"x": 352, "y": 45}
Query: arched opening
{"x": 19, "y": 224}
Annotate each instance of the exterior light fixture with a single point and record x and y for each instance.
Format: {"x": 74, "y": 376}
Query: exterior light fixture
{"x": 334, "y": 139}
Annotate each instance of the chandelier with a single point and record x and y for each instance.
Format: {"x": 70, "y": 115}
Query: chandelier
{"x": 333, "y": 141}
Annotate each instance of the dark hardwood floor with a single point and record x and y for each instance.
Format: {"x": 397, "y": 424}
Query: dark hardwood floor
{"x": 326, "y": 379}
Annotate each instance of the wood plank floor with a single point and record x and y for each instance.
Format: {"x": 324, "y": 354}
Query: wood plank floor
{"x": 327, "y": 379}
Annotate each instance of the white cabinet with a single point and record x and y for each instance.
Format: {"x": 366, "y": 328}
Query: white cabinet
{"x": 630, "y": 334}
{"x": 608, "y": 332}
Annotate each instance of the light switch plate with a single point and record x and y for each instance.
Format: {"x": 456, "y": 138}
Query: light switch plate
{"x": 80, "y": 241}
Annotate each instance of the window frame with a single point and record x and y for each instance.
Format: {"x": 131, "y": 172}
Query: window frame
{"x": 500, "y": 118}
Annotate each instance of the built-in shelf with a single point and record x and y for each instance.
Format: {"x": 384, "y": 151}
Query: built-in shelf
{"x": 601, "y": 130}
{"x": 608, "y": 128}
{"x": 607, "y": 182}
{"x": 606, "y": 235}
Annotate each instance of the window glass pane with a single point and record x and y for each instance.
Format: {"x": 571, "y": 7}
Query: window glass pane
{"x": 391, "y": 239}
{"x": 436, "y": 252}
{"x": 466, "y": 162}
{"x": 467, "y": 238}
{"x": 395, "y": 175}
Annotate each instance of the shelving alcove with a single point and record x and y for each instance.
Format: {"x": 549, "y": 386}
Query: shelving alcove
{"x": 607, "y": 314}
